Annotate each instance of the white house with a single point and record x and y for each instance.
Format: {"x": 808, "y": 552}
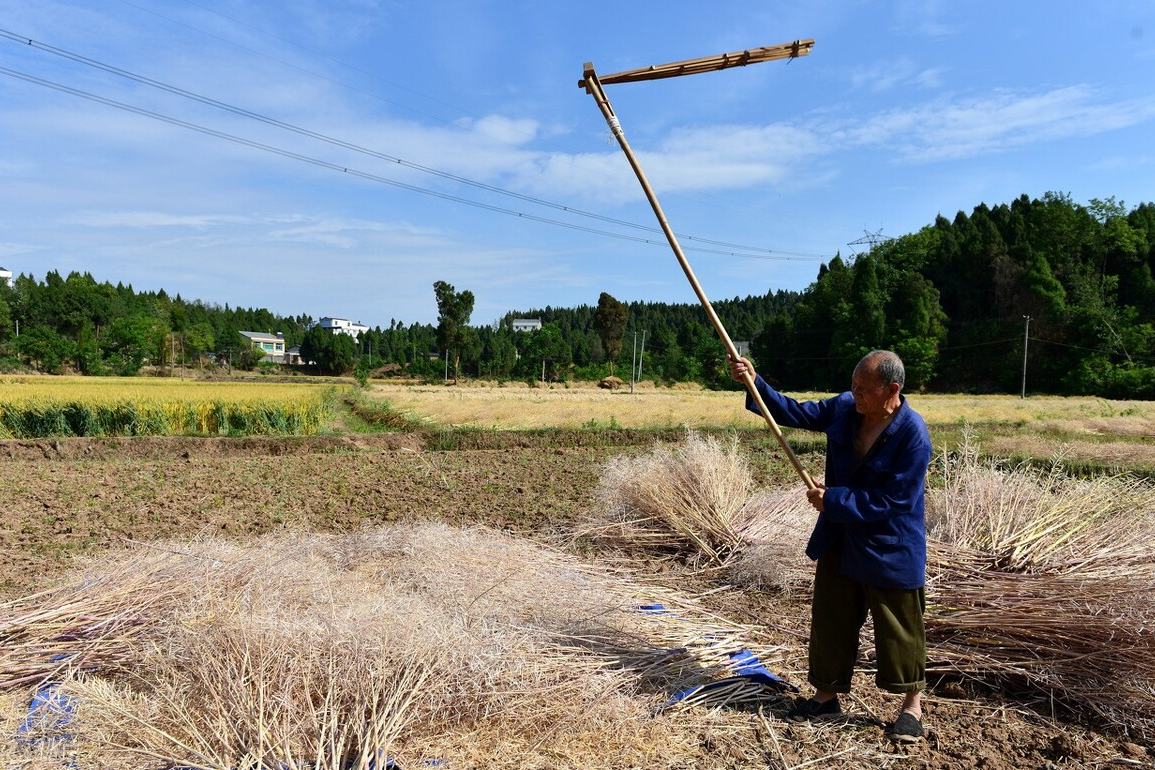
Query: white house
{"x": 526, "y": 324}
{"x": 272, "y": 345}
{"x": 340, "y": 325}
{"x": 6, "y": 275}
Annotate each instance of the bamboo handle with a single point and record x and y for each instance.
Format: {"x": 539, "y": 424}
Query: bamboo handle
{"x": 594, "y": 87}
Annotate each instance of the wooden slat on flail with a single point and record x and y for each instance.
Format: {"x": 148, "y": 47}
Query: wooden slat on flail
{"x": 709, "y": 63}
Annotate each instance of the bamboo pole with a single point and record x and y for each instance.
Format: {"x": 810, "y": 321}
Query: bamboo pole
{"x": 593, "y": 86}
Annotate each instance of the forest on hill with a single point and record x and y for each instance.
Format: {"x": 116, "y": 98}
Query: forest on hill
{"x": 1062, "y": 288}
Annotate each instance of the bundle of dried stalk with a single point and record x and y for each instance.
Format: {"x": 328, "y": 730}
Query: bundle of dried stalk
{"x": 1046, "y": 581}
{"x": 1036, "y": 579}
{"x": 1085, "y": 644}
{"x": 774, "y": 526}
{"x": 683, "y": 499}
{"x": 1028, "y": 519}
{"x": 337, "y": 651}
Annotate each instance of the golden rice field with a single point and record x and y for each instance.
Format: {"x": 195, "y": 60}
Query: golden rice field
{"x": 32, "y": 407}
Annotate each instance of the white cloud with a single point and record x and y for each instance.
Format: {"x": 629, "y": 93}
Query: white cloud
{"x": 887, "y": 75}
{"x": 946, "y": 130}
{"x": 151, "y": 219}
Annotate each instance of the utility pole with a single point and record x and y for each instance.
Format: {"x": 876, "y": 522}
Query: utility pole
{"x": 641, "y": 353}
{"x": 1026, "y": 338}
{"x": 633, "y": 362}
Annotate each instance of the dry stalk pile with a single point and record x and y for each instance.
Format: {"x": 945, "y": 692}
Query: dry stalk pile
{"x": 1035, "y": 579}
{"x": 684, "y": 499}
{"x": 330, "y": 652}
{"x": 1047, "y": 581}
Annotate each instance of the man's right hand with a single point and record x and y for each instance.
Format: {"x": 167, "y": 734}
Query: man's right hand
{"x": 740, "y": 367}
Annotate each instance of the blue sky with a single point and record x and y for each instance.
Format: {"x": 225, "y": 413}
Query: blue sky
{"x": 903, "y": 111}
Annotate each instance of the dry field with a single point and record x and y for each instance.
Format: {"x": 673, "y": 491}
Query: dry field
{"x": 514, "y": 406}
{"x": 72, "y": 502}
{"x": 1109, "y": 433}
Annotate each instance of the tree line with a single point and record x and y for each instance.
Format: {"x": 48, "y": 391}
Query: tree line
{"x": 1065, "y": 288}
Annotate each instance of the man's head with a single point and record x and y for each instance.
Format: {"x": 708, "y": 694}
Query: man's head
{"x": 878, "y": 379}
{"x": 886, "y": 365}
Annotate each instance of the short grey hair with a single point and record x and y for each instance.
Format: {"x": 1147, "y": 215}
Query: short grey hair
{"x": 887, "y": 365}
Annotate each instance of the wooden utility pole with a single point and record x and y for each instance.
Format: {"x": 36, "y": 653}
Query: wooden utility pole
{"x": 593, "y": 86}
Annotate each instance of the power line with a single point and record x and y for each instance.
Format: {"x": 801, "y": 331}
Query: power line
{"x": 353, "y": 171}
{"x": 1091, "y": 350}
{"x": 249, "y": 114}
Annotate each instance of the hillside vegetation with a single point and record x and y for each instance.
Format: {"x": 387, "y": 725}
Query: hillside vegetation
{"x": 1064, "y": 287}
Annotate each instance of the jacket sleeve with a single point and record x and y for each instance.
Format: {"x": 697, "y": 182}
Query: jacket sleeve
{"x": 808, "y": 415}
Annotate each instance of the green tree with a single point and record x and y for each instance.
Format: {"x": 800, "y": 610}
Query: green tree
{"x": 919, "y": 328}
{"x": 453, "y": 311}
{"x": 87, "y": 352}
{"x": 548, "y": 347}
{"x": 199, "y": 339}
{"x": 333, "y": 353}
{"x": 610, "y": 323}
{"x": 125, "y": 343}
{"x": 5, "y": 320}
{"x": 42, "y": 348}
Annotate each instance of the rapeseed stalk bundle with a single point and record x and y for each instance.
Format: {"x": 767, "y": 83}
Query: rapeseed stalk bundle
{"x": 1045, "y": 581}
{"x": 1029, "y": 519}
{"x": 406, "y": 643}
{"x": 684, "y": 499}
{"x": 774, "y": 527}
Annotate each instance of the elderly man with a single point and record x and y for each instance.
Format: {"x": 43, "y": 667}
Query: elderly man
{"x": 869, "y": 542}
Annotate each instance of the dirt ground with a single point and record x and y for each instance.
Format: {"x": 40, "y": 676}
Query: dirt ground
{"x": 64, "y": 498}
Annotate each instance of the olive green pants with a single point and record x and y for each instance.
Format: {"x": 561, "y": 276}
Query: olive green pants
{"x": 837, "y": 615}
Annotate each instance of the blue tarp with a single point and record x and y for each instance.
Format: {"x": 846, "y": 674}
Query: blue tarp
{"x": 744, "y": 662}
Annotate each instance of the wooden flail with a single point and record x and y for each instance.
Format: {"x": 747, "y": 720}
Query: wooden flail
{"x": 593, "y": 86}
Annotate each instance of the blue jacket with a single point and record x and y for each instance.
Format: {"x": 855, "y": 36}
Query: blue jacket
{"x": 874, "y": 509}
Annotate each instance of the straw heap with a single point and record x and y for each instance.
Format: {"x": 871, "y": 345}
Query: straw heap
{"x": 1036, "y": 580}
{"x": 682, "y": 500}
{"x": 411, "y": 643}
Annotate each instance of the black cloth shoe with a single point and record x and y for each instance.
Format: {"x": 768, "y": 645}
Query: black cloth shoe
{"x": 808, "y": 708}
{"x": 907, "y": 728}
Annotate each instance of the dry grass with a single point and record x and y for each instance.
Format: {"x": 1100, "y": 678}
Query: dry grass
{"x": 1036, "y": 579}
{"x": 520, "y": 408}
{"x": 685, "y": 498}
{"x": 1106, "y": 453}
{"x": 466, "y": 646}
{"x": 516, "y": 407}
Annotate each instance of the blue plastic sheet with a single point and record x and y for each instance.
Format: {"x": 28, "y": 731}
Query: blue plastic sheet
{"x": 744, "y": 663}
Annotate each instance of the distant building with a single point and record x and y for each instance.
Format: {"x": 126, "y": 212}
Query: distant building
{"x": 526, "y": 324}
{"x": 340, "y": 325}
{"x": 271, "y": 344}
{"x": 6, "y": 275}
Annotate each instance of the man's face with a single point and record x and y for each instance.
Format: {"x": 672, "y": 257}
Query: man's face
{"x": 870, "y": 394}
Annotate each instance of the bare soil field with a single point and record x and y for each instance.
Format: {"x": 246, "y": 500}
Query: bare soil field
{"x": 71, "y": 498}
